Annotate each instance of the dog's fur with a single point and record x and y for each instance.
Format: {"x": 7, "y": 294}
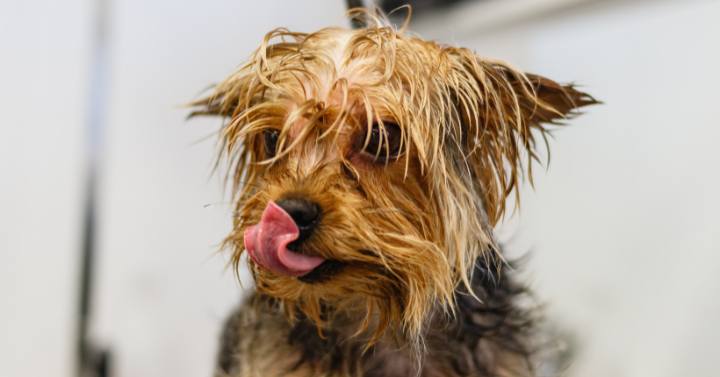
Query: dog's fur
{"x": 416, "y": 284}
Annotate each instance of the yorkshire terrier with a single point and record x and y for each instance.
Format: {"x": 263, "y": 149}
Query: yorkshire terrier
{"x": 369, "y": 168}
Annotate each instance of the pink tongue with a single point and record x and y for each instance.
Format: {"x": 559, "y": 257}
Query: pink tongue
{"x": 267, "y": 243}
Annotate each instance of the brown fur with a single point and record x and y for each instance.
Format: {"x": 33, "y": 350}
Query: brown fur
{"x": 408, "y": 231}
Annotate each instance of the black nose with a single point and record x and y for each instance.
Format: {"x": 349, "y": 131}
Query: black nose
{"x": 305, "y": 213}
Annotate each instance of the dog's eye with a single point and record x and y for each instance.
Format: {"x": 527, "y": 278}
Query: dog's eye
{"x": 270, "y": 140}
{"x": 383, "y": 142}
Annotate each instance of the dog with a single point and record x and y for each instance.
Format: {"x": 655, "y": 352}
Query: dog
{"x": 368, "y": 169}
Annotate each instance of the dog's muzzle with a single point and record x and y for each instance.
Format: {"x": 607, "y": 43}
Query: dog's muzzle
{"x": 267, "y": 242}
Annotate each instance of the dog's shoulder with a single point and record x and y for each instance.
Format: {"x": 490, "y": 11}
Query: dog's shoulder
{"x": 255, "y": 338}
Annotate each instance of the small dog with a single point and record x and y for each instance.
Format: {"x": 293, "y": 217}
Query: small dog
{"x": 369, "y": 168}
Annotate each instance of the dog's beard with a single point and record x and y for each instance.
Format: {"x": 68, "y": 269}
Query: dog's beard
{"x": 383, "y": 240}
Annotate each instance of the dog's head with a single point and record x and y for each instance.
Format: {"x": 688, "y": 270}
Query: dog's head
{"x": 370, "y": 166}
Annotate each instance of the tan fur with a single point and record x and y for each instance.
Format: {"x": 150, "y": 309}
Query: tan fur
{"x": 408, "y": 230}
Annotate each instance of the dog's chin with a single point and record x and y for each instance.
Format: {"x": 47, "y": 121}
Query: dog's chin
{"x": 322, "y": 273}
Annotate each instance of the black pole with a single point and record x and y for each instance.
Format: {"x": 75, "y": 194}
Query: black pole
{"x": 355, "y": 22}
{"x": 91, "y": 361}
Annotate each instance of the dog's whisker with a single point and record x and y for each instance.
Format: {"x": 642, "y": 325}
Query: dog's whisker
{"x": 208, "y": 205}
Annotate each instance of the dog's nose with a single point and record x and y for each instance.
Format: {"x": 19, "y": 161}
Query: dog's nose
{"x": 305, "y": 213}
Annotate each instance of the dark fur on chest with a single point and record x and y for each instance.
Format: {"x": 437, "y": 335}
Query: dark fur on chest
{"x": 474, "y": 342}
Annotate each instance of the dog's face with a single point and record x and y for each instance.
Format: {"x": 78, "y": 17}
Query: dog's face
{"x": 370, "y": 166}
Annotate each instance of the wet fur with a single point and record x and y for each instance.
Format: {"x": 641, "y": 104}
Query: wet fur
{"x": 492, "y": 336}
{"x": 418, "y": 284}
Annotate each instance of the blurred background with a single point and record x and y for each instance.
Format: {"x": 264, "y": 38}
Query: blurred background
{"x": 110, "y": 216}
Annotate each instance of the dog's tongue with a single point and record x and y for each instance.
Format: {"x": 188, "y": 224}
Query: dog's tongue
{"x": 267, "y": 243}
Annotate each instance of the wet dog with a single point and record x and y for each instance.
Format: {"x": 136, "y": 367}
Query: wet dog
{"x": 369, "y": 168}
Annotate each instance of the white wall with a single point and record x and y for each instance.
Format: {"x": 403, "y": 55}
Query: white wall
{"x": 44, "y": 54}
{"x": 165, "y": 291}
{"x": 623, "y": 227}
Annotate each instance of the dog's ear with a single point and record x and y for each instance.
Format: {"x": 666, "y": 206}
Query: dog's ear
{"x": 501, "y": 112}
{"x": 228, "y": 98}
{"x": 236, "y": 100}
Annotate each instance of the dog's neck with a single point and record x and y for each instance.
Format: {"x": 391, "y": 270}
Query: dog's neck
{"x": 488, "y": 335}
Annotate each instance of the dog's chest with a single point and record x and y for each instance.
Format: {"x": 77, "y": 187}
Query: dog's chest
{"x": 342, "y": 356}
{"x": 396, "y": 363}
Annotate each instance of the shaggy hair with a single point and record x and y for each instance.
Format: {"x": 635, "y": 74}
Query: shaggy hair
{"x": 406, "y": 231}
